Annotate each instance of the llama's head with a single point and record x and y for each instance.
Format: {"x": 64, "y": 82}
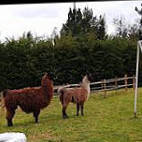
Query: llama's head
{"x": 52, "y": 76}
{"x": 87, "y": 78}
{"x": 46, "y": 78}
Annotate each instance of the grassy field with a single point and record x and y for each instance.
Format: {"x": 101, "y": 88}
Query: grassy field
{"x": 105, "y": 120}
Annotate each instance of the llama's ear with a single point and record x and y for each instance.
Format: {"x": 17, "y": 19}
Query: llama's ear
{"x": 44, "y": 74}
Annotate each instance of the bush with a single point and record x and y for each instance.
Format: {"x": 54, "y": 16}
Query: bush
{"x": 23, "y": 61}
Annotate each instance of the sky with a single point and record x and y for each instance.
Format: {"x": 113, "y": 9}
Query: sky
{"x": 42, "y": 18}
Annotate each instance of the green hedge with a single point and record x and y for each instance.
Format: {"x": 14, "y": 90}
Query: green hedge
{"x": 23, "y": 61}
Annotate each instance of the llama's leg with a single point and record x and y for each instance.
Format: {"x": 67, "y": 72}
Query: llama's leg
{"x": 36, "y": 114}
{"x": 9, "y": 116}
{"x": 64, "y": 114}
{"x": 82, "y": 107}
{"x": 77, "y": 109}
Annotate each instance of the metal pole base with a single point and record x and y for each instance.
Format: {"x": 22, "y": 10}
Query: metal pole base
{"x": 135, "y": 115}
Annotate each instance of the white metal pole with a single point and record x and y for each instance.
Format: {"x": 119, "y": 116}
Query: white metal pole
{"x": 136, "y": 85}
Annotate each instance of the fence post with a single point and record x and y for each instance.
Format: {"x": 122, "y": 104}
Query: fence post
{"x": 126, "y": 81}
{"x": 104, "y": 88}
{"x": 116, "y": 82}
{"x": 134, "y": 81}
{"x": 102, "y": 85}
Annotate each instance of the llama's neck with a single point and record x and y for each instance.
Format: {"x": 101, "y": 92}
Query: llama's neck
{"x": 86, "y": 84}
{"x": 48, "y": 91}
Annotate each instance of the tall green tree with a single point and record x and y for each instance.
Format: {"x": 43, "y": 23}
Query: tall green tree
{"x": 81, "y": 23}
{"x": 73, "y": 23}
{"x": 101, "y": 29}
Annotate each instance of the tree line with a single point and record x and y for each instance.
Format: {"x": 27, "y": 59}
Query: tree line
{"x": 82, "y": 46}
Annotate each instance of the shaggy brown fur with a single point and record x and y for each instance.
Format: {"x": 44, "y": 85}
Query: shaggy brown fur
{"x": 31, "y": 99}
{"x": 76, "y": 95}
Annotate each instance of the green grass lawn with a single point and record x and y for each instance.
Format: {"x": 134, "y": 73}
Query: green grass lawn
{"x": 105, "y": 120}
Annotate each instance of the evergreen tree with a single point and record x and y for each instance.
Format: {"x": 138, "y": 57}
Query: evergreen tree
{"x": 73, "y": 23}
{"x": 82, "y": 23}
{"x": 101, "y": 33}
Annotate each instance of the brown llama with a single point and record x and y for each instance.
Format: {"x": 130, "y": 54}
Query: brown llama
{"x": 77, "y": 95}
{"x": 30, "y": 100}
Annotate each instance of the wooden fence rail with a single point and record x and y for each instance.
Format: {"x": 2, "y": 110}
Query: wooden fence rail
{"x": 107, "y": 85}
{"x": 103, "y": 85}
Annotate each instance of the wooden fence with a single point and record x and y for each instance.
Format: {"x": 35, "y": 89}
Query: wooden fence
{"x": 107, "y": 85}
{"x": 104, "y": 85}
